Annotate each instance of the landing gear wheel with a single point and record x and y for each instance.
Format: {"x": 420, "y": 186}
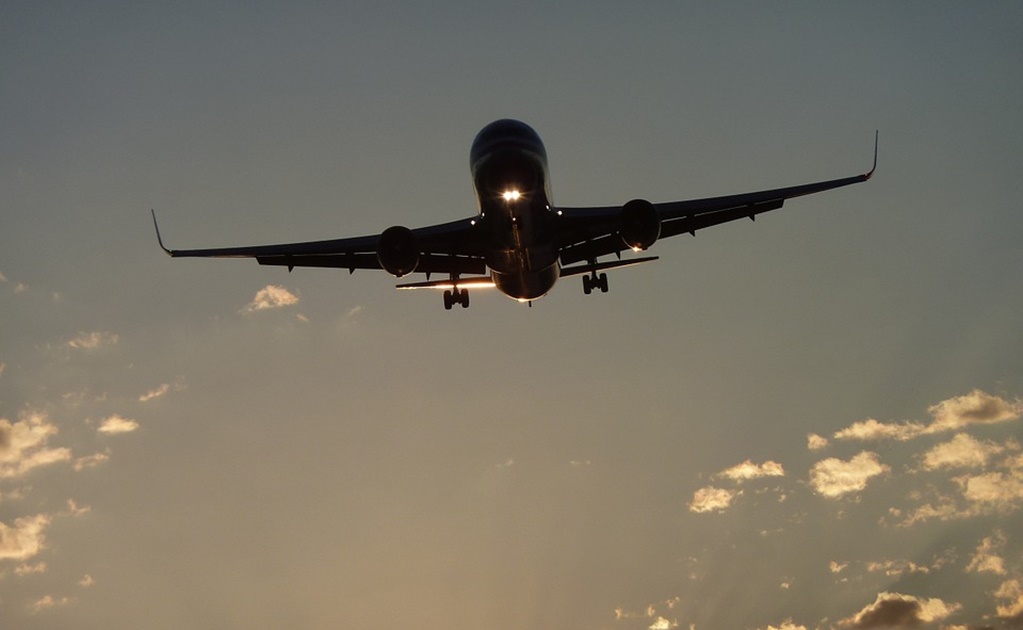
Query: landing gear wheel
{"x": 595, "y": 282}
{"x": 456, "y": 296}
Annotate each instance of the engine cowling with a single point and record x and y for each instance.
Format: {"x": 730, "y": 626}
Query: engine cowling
{"x": 398, "y": 251}
{"x": 640, "y": 225}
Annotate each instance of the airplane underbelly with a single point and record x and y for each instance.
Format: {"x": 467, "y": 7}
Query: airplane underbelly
{"x": 526, "y": 285}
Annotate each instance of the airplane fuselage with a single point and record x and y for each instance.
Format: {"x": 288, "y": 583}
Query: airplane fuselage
{"x": 512, "y": 184}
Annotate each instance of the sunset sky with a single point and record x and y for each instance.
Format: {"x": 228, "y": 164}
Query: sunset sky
{"x": 807, "y": 422}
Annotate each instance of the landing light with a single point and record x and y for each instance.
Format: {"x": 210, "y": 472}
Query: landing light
{"x": 511, "y": 195}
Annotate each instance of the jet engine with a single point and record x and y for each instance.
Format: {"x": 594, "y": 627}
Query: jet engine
{"x": 398, "y": 251}
{"x": 640, "y": 226}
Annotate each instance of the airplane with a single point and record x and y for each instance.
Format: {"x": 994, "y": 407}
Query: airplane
{"x": 519, "y": 241}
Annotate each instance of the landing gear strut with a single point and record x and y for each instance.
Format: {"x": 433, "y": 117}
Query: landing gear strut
{"x": 456, "y": 296}
{"x": 593, "y": 281}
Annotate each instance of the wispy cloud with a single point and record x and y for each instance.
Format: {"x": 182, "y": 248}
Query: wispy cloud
{"x": 271, "y": 296}
{"x": 155, "y": 393}
{"x": 749, "y": 470}
{"x": 76, "y": 510}
{"x": 871, "y": 429}
{"x": 160, "y": 391}
{"x": 23, "y": 445}
{"x": 986, "y": 558}
{"x": 90, "y": 461}
{"x": 49, "y": 601}
{"x": 834, "y": 477}
{"x": 92, "y": 340}
{"x": 895, "y": 610}
{"x": 30, "y": 569}
{"x": 117, "y": 424}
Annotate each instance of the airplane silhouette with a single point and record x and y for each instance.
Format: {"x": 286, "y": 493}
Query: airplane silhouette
{"x": 519, "y": 241}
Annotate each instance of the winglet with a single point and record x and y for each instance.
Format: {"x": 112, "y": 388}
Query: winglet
{"x": 158, "y": 238}
{"x": 874, "y": 167}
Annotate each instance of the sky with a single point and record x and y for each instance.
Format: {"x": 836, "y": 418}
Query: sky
{"x": 811, "y": 421}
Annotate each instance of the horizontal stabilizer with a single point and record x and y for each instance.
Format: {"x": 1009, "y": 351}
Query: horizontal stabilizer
{"x": 480, "y": 282}
{"x": 611, "y": 264}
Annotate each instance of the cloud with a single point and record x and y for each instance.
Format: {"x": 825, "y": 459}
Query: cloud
{"x": 786, "y": 625}
{"x": 663, "y": 624}
{"x": 160, "y": 391}
{"x": 86, "y": 581}
{"x": 985, "y": 560}
{"x": 271, "y": 296}
{"x": 77, "y": 510}
{"x": 49, "y": 601}
{"x": 945, "y": 510}
{"x": 1011, "y": 590}
{"x": 816, "y": 442}
{"x": 90, "y": 461}
{"x": 24, "y": 539}
{"x": 23, "y": 445}
{"x": 871, "y": 429}
{"x": 155, "y": 393}
{"x": 995, "y": 491}
{"x": 962, "y": 451}
{"x": 748, "y": 470}
{"x": 837, "y": 567}
{"x": 711, "y": 499}
{"x": 977, "y": 407}
{"x": 117, "y": 424}
{"x": 895, "y": 610}
{"x": 30, "y": 569}
{"x": 834, "y": 477}
{"x": 92, "y": 340}
{"x": 895, "y": 568}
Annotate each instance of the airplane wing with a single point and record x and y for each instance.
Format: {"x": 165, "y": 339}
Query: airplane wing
{"x": 587, "y": 233}
{"x": 452, "y": 248}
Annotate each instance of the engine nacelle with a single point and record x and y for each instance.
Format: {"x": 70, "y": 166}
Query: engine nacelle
{"x": 398, "y": 251}
{"x": 640, "y": 227}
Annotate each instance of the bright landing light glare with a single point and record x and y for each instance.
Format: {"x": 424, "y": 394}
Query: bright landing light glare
{"x": 511, "y": 195}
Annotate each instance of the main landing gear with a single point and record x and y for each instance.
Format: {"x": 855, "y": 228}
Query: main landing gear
{"x": 456, "y": 296}
{"x": 593, "y": 281}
